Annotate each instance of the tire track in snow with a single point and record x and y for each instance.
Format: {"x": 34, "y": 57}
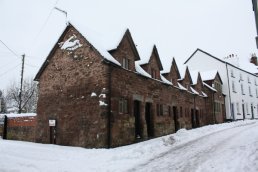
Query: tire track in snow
{"x": 188, "y": 156}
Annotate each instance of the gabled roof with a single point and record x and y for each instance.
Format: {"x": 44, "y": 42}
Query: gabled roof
{"x": 128, "y": 35}
{"x": 210, "y": 75}
{"x": 246, "y": 67}
{"x": 173, "y": 65}
{"x": 156, "y": 54}
{"x": 204, "y": 53}
{"x": 90, "y": 37}
{"x": 187, "y": 72}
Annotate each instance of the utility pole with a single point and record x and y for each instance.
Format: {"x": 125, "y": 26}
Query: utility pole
{"x": 20, "y": 94}
{"x": 255, "y": 9}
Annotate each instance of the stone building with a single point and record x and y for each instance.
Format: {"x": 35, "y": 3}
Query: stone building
{"x": 90, "y": 96}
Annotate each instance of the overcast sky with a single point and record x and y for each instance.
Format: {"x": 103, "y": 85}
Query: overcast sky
{"x": 177, "y": 27}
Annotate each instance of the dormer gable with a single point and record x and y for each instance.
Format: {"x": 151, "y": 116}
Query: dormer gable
{"x": 173, "y": 75}
{"x": 154, "y": 66}
{"x": 199, "y": 84}
{"x": 187, "y": 80}
{"x": 126, "y": 52}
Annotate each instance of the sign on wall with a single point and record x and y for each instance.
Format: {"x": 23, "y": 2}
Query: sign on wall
{"x": 52, "y": 122}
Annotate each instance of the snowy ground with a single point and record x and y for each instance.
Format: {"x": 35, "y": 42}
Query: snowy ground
{"x": 230, "y": 147}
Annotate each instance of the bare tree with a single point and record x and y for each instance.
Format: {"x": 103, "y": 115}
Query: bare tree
{"x": 27, "y": 99}
{"x": 2, "y": 103}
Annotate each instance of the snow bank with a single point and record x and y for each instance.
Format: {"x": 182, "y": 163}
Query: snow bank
{"x": 183, "y": 135}
{"x": 14, "y": 115}
{"x": 24, "y": 156}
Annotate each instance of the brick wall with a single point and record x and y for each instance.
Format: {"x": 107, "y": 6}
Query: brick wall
{"x": 19, "y": 128}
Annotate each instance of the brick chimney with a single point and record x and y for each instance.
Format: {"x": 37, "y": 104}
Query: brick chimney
{"x": 254, "y": 59}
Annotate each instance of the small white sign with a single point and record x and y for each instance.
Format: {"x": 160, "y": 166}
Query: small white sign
{"x": 52, "y": 123}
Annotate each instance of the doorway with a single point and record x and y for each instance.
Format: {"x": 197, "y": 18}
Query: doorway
{"x": 149, "y": 120}
{"x": 193, "y": 119}
{"x": 52, "y": 135}
{"x": 197, "y": 118}
{"x": 243, "y": 107}
{"x": 137, "y": 116}
{"x": 175, "y": 114}
{"x": 252, "y": 111}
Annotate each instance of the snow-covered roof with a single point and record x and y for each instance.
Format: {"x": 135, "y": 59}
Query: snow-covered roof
{"x": 140, "y": 70}
{"x": 208, "y": 75}
{"x": 211, "y": 88}
{"x": 241, "y": 63}
{"x": 181, "y": 87}
{"x": 204, "y": 94}
{"x": 165, "y": 80}
{"x": 95, "y": 40}
{"x": 194, "y": 91}
{"x": 114, "y": 39}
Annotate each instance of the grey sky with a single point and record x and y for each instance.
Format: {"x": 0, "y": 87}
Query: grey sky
{"x": 177, "y": 27}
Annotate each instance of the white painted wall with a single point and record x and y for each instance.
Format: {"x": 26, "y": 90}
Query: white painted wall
{"x": 204, "y": 62}
{"x": 245, "y": 100}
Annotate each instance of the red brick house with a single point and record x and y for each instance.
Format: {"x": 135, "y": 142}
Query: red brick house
{"x": 92, "y": 97}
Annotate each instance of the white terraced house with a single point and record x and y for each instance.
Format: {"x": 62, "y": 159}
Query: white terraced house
{"x": 240, "y": 82}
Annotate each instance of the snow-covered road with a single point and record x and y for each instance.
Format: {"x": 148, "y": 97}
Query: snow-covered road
{"x": 229, "y": 147}
{"x": 234, "y": 149}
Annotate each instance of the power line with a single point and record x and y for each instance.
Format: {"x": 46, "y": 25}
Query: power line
{"x": 2, "y": 74}
{"x": 9, "y": 48}
{"x": 44, "y": 24}
{"x": 31, "y": 65}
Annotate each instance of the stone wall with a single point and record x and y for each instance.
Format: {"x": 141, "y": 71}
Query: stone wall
{"x": 73, "y": 91}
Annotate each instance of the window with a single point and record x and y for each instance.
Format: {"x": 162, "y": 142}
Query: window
{"x": 241, "y": 77}
{"x": 256, "y": 90}
{"x": 123, "y": 106}
{"x": 217, "y": 86}
{"x": 247, "y": 109}
{"x": 169, "y": 111}
{"x": 181, "y": 111}
{"x": 159, "y": 110}
{"x": 233, "y": 86}
{"x": 250, "y": 92}
{"x": 125, "y": 63}
{"x": 232, "y": 73}
{"x": 154, "y": 73}
{"x": 242, "y": 89}
{"x": 237, "y": 106}
{"x": 248, "y": 79}
{"x": 217, "y": 107}
{"x": 187, "y": 86}
{"x": 255, "y": 82}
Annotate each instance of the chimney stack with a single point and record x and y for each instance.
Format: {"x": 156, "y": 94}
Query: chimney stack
{"x": 254, "y": 59}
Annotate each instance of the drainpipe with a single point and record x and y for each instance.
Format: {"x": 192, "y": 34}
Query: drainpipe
{"x": 232, "y": 115}
{"x": 213, "y": 108}
{"x": 194, "y": 113}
